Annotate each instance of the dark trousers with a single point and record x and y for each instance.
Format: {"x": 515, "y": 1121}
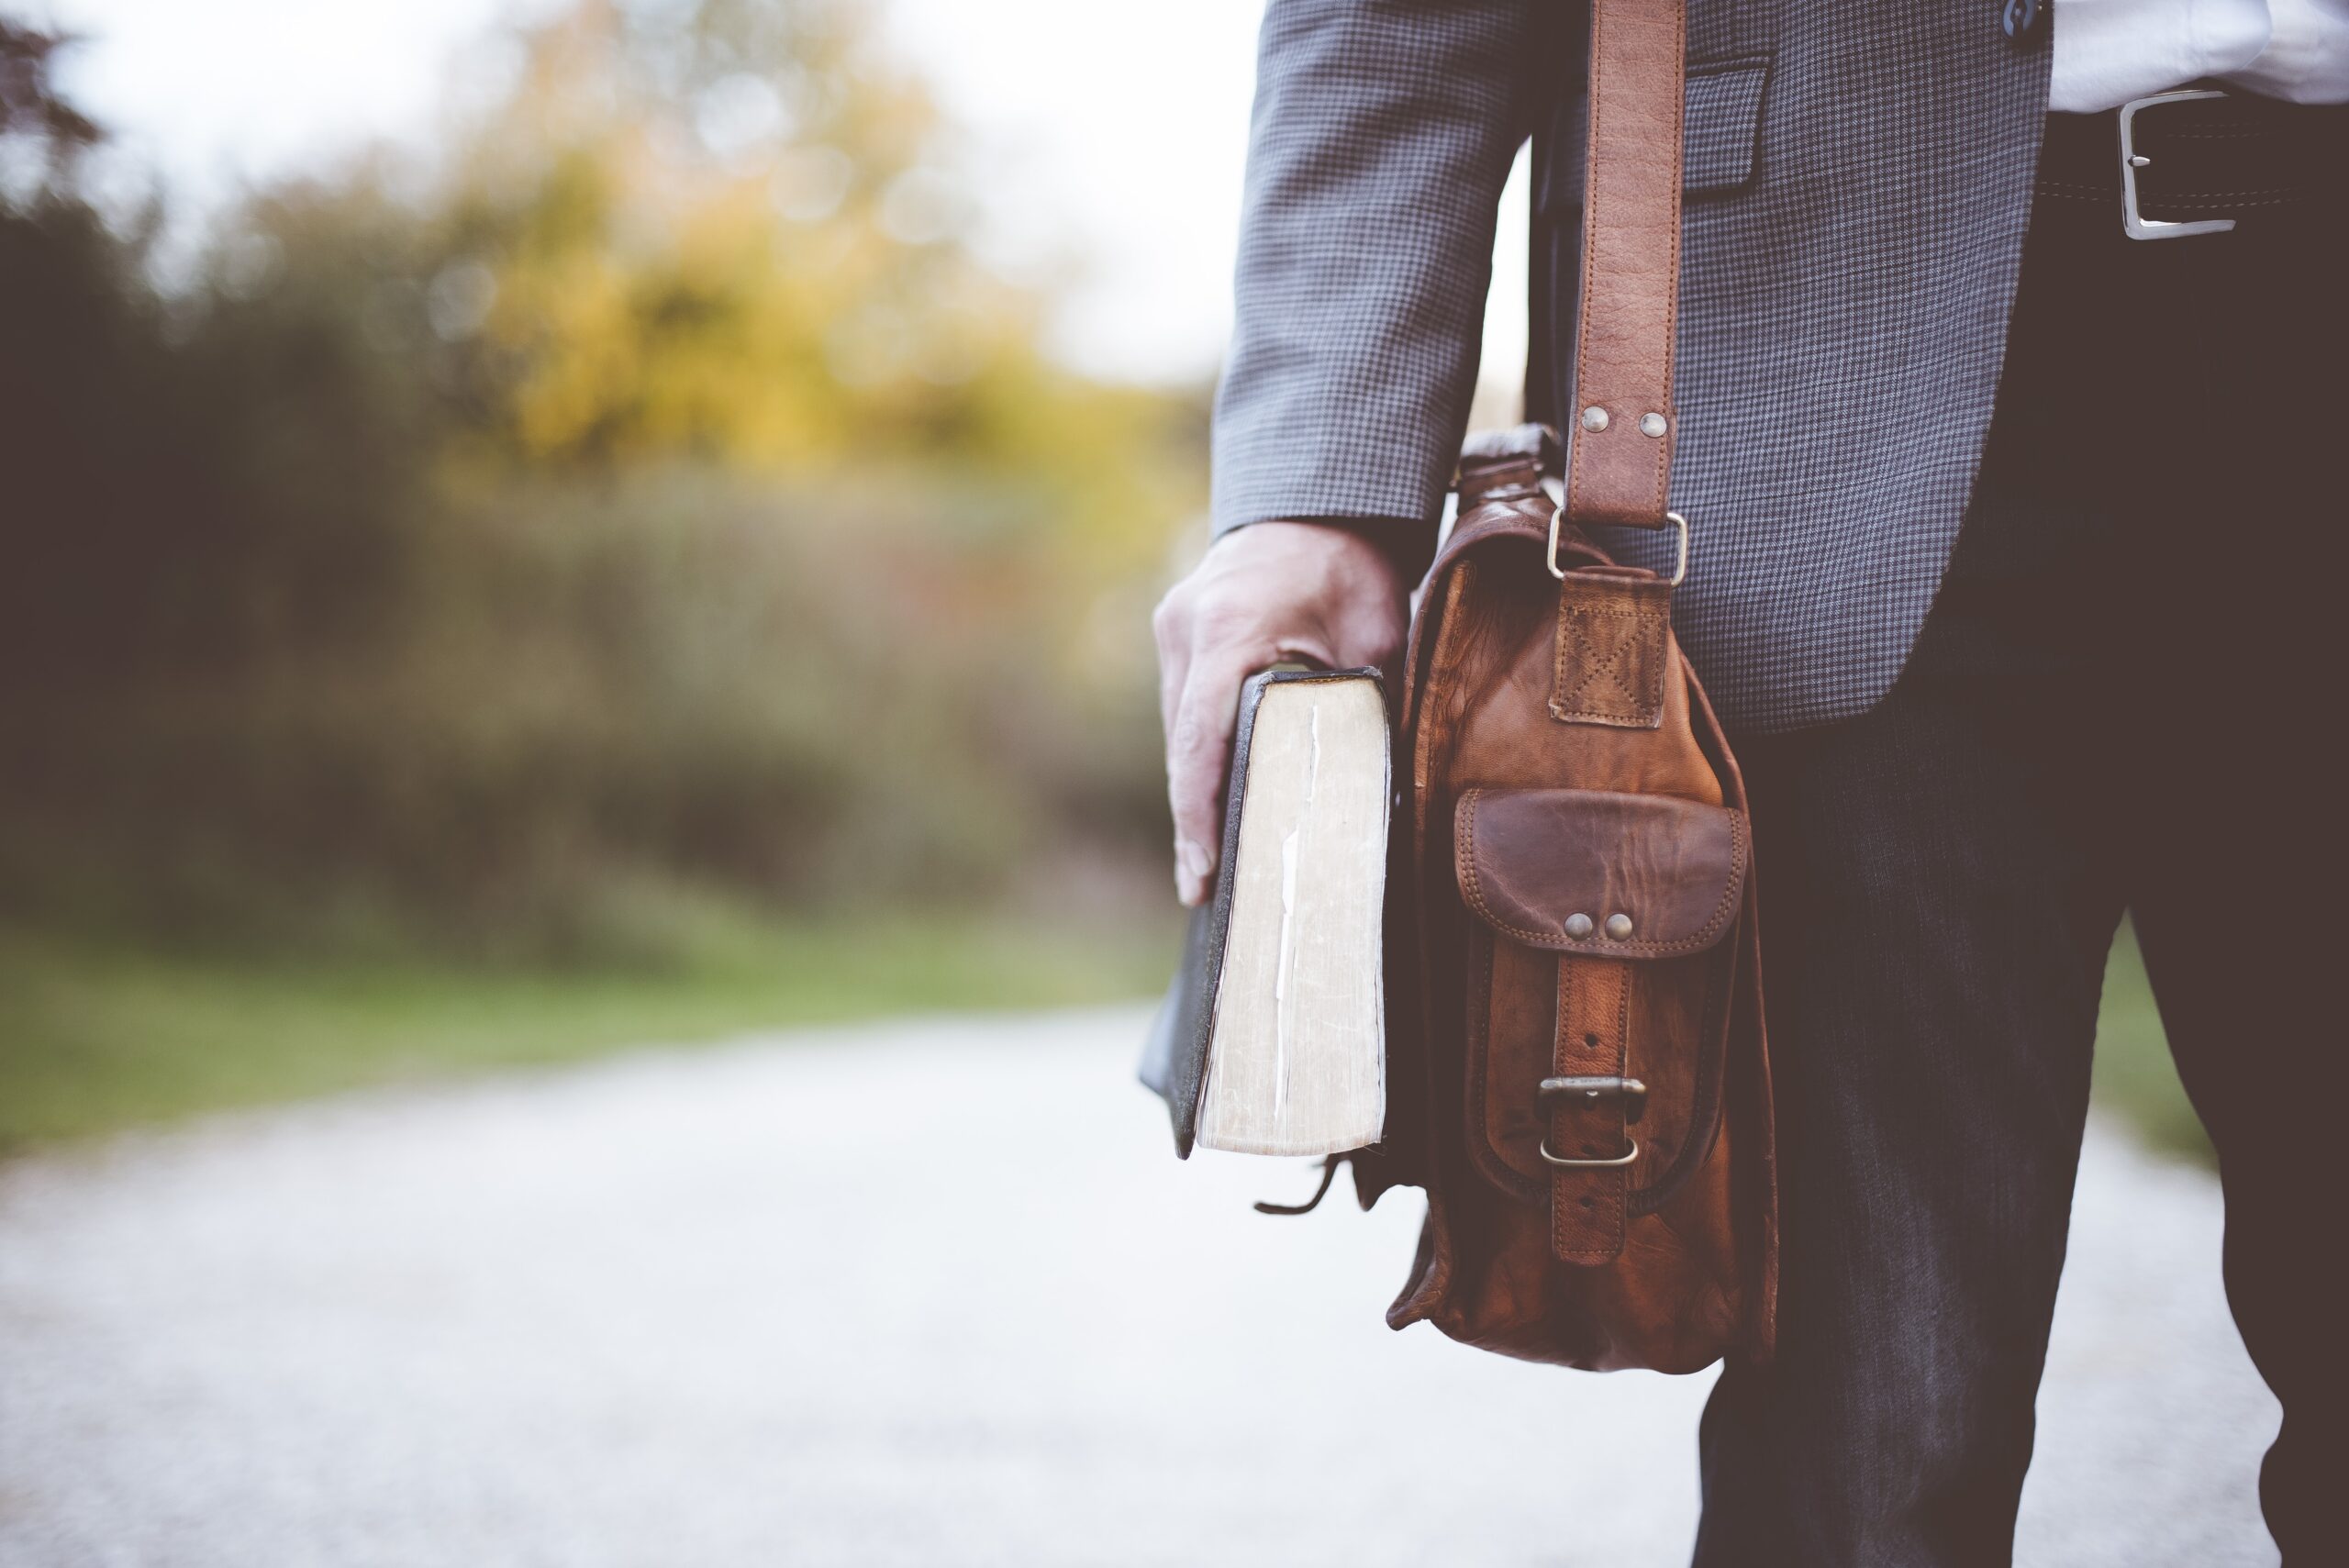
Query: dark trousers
{"x": 2126, "y": 698}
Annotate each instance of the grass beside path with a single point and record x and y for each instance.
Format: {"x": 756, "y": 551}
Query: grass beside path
{"x": 93, "y": 1038}
{"x": 2134, "y": 1076}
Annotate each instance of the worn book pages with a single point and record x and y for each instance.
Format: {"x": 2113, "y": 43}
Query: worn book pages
{"x": 1297, "y": 1057}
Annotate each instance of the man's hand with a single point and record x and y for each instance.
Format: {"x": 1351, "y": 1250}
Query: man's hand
{"x": 1265, "y": 592}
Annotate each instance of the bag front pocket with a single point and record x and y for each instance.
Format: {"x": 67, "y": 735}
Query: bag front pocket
{"x": 1597, "y": 995}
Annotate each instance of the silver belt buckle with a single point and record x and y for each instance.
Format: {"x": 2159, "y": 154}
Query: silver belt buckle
{"x": 2138, "y": 226}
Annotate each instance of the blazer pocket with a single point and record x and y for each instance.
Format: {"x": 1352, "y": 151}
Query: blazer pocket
{"x": 1721, "y": 142}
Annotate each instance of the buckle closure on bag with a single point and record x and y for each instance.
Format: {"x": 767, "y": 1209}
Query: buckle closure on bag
{"x": 2135, "y": 223}
{"x": 1630, "y": 1090}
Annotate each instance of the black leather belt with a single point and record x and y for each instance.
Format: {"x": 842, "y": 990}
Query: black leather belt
{"x": 2198, "y": 159}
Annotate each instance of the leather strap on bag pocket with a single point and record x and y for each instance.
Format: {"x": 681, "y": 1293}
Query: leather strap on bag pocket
{"x": 1614, "y": 646}
{"x": 1593, "y": 1053}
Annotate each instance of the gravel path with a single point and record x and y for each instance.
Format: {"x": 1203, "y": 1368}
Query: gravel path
{"x": 929, "y": 1295}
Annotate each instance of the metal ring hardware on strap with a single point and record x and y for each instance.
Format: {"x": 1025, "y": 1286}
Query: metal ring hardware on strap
{"x": 1557, "y": 518}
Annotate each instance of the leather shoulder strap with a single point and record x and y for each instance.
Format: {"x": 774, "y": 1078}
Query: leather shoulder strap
{"x": 1622, "y": 424}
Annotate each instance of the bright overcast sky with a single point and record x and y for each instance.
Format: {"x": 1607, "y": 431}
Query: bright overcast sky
{"x": 1109, "y": 132}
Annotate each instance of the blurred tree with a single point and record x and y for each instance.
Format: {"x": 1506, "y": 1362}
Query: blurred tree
{"x": 180, "y": 492}
{"x": 31, "y": 112}
{"x": 645, "y": 480}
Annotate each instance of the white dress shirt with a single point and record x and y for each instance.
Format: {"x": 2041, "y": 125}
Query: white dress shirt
{"x": 2108, "y": 51}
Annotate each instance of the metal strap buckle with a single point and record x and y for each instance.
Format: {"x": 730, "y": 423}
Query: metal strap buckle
{"x": 2138, "y": 226}
{"x": 1592, "y": 1088}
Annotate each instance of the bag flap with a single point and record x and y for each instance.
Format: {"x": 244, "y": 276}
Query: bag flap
{"x": 1558, "y": 869}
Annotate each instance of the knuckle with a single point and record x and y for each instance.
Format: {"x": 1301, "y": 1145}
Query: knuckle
{"x": 1180, "y": 596}
{"x": 1193, "y": 748}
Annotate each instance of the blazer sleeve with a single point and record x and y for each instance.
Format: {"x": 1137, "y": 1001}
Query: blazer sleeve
{"x": 1381, "y": 135}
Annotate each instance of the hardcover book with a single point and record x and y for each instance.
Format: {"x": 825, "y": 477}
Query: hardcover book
{"x": 1272, "y": 1038}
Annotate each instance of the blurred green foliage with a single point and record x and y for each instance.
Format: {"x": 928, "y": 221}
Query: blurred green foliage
{"x": 640, "y": 498}
{"x": 95, "y": 1038}
{"x": 2134, "y": 1075}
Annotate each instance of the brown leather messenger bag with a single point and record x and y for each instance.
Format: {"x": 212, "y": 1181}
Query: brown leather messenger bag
{"x": 1577, "y": 1072}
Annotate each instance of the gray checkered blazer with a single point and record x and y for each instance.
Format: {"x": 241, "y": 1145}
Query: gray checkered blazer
{"x": 1858, "y": 182}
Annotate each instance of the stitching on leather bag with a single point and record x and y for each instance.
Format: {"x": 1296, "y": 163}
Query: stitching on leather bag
{"x": 1642, "y": 709}
{"x": 1465, "y": 857}
{"x": 1577, "y": 455}
{"x": 1672, "y": 293}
